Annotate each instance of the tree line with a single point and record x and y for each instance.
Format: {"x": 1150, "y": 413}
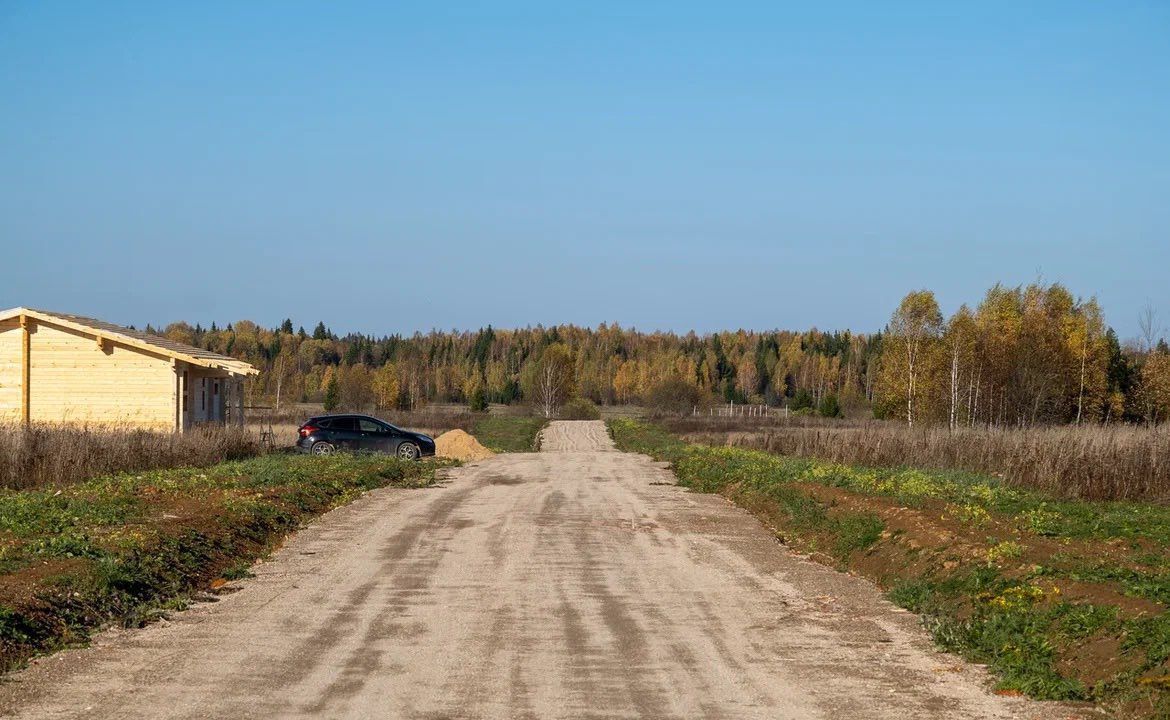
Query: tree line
{"x": 1024, "y": 355}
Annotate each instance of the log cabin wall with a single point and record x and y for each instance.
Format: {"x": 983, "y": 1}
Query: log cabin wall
{"x": 75, "y": 379}
{"x": 72, "y": 370}
{"x": 10, "y": 370}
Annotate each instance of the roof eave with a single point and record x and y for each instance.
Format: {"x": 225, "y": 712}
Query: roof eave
{"x": 234, "y": 367}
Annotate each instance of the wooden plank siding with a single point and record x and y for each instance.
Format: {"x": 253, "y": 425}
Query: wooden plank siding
{"x": 74, "y": 379}
{"x": 10, "y": 370}
{"x": 58, "y": 368}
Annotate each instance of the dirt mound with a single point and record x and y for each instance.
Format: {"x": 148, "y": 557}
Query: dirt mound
{"x": 460, "y": 446}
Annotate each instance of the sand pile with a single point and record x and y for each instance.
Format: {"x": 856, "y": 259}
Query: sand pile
{"x": 461, "y": 446}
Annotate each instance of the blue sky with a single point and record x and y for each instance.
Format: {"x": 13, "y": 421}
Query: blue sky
{"x": 389, "y": 167}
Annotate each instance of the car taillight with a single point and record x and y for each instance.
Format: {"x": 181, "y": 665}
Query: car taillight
{"x": 307, "y": 430}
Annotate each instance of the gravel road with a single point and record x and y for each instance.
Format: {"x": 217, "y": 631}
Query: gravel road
{"x": 572, "y": 583}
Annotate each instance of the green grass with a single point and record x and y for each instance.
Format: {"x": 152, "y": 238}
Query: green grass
{"x": 509, "y": 434}
{"x": 117, "y": 548}
{"x": 1004, "y": 610}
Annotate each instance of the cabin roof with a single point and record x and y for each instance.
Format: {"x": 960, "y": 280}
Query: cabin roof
{"x": 137, "y": 339}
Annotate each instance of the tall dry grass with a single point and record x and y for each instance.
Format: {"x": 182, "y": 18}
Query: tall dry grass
{"x": 1111, "y": 462}
{"x": 45, "y": 455}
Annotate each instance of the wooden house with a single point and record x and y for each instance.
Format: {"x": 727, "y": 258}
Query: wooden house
{"x": 57, "y": 368}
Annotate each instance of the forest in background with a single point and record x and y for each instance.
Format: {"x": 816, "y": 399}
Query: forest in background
{"x": 1027, "y": 355}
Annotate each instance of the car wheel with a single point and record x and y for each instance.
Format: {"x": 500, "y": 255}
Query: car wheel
{"x": 408, "y": 451}
{"x": 323, "y": 448}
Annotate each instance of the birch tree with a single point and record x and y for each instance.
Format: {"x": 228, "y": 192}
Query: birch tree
{"x": 1088, "y": 342}
{"x": 386, "y": 387}
{"x": 549, "y": 381}
{"x": 747, "y": 378}
{"x": 914, "y": 328}
{"x": 960, "y": 340}
{"x": 1150, "y": 328}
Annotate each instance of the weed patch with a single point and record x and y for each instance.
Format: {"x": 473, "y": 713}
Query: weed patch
{"x": 509, "y": 434}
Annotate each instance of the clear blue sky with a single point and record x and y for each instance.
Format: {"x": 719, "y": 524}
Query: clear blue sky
{"x": 388, "y": 167}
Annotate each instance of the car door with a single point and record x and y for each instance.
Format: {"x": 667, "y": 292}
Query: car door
{"x": 376, "y": 437}
{"x": 345, "y": 434}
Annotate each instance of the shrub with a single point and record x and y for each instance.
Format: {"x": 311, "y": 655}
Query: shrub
{"x": 580, "y": 408}
{"x": 675, "y": 397}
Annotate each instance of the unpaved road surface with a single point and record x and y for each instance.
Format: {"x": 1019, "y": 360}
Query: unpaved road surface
{"x": 571, "y": 583}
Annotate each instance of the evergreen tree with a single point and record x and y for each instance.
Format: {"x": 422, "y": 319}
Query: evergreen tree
{"x": 332, "y": 394}
{"x": 830, "y": 407}
{"x": 802, "y": 400}
{"x": 478, "y": 401}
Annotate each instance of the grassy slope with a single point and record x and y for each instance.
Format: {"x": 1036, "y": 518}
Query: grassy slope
{"x": 1064, "y": 600}
{"x": 119, "y": 548}
{"x": 508, "y": 434}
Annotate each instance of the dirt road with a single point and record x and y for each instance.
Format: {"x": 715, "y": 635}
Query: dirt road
{"x": 571, "y": 583}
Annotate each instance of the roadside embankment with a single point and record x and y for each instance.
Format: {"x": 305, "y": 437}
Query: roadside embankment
{"x": 1063, "y": 599}
{"x": 126, "y": 547}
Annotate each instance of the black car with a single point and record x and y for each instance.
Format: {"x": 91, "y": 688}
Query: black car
{"x": 326, "y": 434}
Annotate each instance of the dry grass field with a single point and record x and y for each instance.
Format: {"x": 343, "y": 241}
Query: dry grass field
{"x": 44, "y": 455}
{"x": 1096, "y": 462}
